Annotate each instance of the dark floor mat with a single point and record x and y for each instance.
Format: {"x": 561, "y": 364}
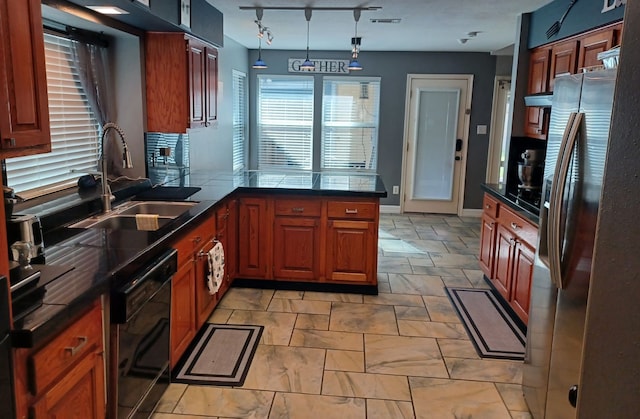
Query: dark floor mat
{"x": 169, "y": 193}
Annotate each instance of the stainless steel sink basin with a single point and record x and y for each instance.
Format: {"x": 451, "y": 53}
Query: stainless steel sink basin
{"x": 123, "y": 217}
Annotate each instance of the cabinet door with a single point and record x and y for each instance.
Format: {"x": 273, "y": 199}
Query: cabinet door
{"x": 24, "y": 122}
{"x": 537, "y": 122}
{"x": 592, "y": 45}
{"x": 205, "y": 302}
{"x": 503, "y": 262}
{"x": 487, "y": 245}
{"x": 254, "y": 240}
{"x": 296, "y": 242}
{"x": 211, "y": 91}
{"x": 197, "y": 83}
{"x": 522, "y": 276}
{"x": 183, "y": 323}
{"x": 351, "y": 251}
{"x": 538, "y": 70}
{"x": 564, "y": 59}
{"x": 78, "y": 394}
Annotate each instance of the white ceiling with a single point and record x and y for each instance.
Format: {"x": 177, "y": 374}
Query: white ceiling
{"x": 426, "y": 25}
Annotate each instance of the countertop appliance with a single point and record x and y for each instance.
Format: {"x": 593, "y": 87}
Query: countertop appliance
{"x": 575, "y": 158}
{"x": 7, "y": 409}
{"x": 26, "y": 228}
{"x": 140, "y": 319}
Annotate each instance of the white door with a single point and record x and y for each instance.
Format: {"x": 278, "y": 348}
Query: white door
{"x": 436, "y": 134}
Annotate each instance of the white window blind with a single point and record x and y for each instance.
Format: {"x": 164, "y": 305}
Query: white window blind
{"x": 74, "y": 130}
{"x": 239, "y": 119}
{"x": 285, "y": 122}
{"x": 350, "y": 123}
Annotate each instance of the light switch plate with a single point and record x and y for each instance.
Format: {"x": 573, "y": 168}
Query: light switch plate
{"x": 481, "y": 129}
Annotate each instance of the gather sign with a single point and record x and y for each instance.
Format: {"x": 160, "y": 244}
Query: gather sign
{"x": 612, "y": 4}
{"x": 321, "y": 66}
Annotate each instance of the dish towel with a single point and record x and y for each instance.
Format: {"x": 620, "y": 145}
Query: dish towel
{"x": 216, "y": 268}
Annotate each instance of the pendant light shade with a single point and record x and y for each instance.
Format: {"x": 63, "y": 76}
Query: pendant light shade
{"x": 354, "y": 65}
{"x": 308, "y": 64}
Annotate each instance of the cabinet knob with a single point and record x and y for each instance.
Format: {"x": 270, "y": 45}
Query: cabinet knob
{"x": 11, "y": 142}
{"x": 351, "y": 211}
{"x": 515, "y": 226}
{"x": 197, "y": 239}
{"x": 487, "y": 206}
{"x": 297, "y": 209}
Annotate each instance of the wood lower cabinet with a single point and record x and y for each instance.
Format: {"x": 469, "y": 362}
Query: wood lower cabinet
{"x": 308, "y": 239}
{"x": 183, "y": 315}
{"x": 64, "y": 377}
{"x": 507, "y": 248}
{"x": 255, "y": 226}
{"x": 24, "y": 121}
{"x": 205, "y": 301}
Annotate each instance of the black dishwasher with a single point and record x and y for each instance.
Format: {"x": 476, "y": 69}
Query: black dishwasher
{"x": 140, "y": 324}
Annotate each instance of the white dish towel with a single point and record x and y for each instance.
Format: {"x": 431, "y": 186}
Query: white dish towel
{"x": 216, "y": 268}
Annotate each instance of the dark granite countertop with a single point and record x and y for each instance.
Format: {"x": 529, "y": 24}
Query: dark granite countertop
{"x": 103, "y": 258}
{"x": 523, "y": 208}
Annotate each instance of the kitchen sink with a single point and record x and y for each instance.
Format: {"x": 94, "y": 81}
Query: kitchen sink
{"x": 123, "y": 217}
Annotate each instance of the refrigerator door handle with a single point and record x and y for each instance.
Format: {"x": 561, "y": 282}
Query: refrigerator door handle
{"x": 556, "y": 198}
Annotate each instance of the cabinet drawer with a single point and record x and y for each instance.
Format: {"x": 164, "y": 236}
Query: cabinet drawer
{"x": 298, "y": 207}
{"x": 352, "y": 210}
{"x": 194, "y": 239}
{"x": 518, "y": 225}
{"x": 490, "y": 206}
{"x": 80, "y": 338}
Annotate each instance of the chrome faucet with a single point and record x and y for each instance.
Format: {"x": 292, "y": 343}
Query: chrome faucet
{"x": 107, "y": 197}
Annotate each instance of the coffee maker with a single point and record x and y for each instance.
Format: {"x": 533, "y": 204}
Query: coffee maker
{"x": 530, "y": 173}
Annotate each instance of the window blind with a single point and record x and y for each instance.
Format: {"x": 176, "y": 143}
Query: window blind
{"x": 74, "y": 130}
{"x": 239, "y": 119}
{"x": 350, "y": 123}
{"x": 285, "y": 122}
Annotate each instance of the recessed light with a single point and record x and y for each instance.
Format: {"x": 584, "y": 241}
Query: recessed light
{"x": 108, "y": 10}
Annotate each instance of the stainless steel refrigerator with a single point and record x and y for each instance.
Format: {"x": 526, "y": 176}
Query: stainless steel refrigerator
{"x": 574, "y": 166}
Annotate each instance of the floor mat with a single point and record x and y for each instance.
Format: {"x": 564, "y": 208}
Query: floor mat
{"x": 221, "y": 355}
{"x": 491, "y": 329}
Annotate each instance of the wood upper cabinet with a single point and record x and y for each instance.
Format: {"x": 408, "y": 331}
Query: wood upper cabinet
{"x": 65, "y": 377}
{"x": 537, "y": 122}
{"x": 539, "y": 70}
{"x": 24, "y": 122}
{"x": 564, "y": 59}
{"x": 592, "y": 45}
{"x": 181, "y": 81}
{"x": 255, "y": 226}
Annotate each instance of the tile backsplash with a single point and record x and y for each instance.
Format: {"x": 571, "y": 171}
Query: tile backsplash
{"x": 167, "y": 156}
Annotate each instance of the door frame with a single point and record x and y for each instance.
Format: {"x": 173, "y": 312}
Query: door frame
{"x": 495, "y": 139}
{"x": 465, "y": 134}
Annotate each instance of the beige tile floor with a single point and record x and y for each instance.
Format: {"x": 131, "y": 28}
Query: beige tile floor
{"x": 400, "y": 354}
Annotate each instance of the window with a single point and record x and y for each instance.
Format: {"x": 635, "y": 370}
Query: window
{"x": 239, "y": 119}
{"x": 285, "y": 122}
{"x": 350, "y": 123}
{"x": 74, "y": 130}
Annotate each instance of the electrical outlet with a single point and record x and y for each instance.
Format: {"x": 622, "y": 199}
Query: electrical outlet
{"x": 396, "y": 189}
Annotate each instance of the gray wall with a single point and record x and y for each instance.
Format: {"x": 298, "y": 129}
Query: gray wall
{"x": 584, "y": 15}
{"x": 393, "y": 68}
{"x": 503, "y": 65}
{"x": 211, "y": 148}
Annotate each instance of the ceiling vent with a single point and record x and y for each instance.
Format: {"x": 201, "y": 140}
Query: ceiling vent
{"x": 388, "y": 20}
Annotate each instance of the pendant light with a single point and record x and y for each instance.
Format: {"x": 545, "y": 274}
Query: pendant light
{"x": 355, "y": 45}
{"x": 260, "y": 64}
{"x": 308, "y": 64}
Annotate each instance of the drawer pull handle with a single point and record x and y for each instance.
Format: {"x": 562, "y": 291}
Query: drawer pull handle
{"x": 351, "y": 211}
{"x": 515, "y": 226}
{"x": 197, "y": 239}
{"x": 487, "y": 206}
{"x": 73, "y": 350}
{"x": 297, "y": 209}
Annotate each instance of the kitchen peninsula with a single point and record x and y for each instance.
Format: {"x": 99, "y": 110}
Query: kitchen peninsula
{"x": 280, "y": 229}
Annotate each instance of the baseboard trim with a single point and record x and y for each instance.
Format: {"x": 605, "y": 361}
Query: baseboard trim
{"x": 472, "y": 213}
{"x": 390, "y": 209}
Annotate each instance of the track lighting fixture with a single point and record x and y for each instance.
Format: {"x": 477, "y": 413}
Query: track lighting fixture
{"x": 260, "y": 64}
{"x": 308, "y": 64}
{"x": 355, "y": 44}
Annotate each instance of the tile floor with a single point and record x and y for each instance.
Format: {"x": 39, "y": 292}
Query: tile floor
{"x": 400, "y": 354}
